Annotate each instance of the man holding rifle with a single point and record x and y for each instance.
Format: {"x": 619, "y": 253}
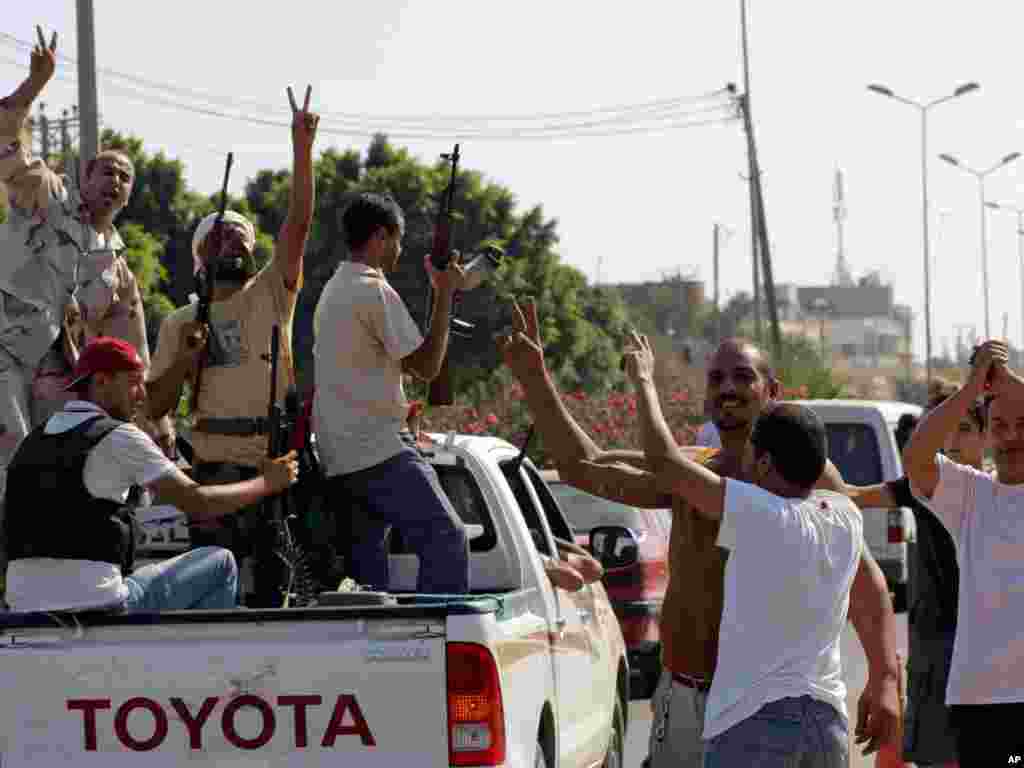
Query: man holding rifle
{"x": 232, "y": 366}
{"x": 365, "y": 341}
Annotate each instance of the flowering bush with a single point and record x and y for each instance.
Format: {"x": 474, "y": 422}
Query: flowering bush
{"x": 610, "y": 419}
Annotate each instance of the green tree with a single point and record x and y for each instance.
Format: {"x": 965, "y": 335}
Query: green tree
{"x": 799, "y": 366}
{"x": 143, "y": 252}
{"x": 580, "y": 324}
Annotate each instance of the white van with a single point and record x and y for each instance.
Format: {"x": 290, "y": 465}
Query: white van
{"x": 862, "y": 445}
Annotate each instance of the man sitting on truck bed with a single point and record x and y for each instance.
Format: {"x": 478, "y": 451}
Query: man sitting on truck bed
{"x": 69, "y": 532}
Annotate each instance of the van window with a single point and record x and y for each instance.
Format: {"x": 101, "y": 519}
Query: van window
{"x": 853, "y": 448}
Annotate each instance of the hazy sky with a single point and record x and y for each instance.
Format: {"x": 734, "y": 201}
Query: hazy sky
{"x": 642, "y": 205}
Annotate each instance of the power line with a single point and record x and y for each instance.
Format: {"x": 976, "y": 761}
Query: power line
{"x": 595, "y": 128}
{"x": 434, "y": 126}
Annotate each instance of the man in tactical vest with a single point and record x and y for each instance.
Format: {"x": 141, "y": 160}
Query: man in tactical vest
{"x": 68, "y": 527}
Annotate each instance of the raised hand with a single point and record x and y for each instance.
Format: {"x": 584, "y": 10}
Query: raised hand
{"x": 988, "y": 362}
{"x": 638, "y": 359}
{"x": 521, "y": 348}
{"x": 304, "y": 122}
{"x": 448, "y": 280}
{"x": 43, "y": 62}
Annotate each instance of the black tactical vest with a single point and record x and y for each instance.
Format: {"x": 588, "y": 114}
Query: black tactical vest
{"x": 49, "y": 511}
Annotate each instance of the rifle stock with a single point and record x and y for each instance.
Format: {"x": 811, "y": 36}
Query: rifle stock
{"x": 440, "y": 391}
{"x": 210, "y": 282}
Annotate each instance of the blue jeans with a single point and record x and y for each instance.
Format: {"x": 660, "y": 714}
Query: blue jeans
{"x": 202, "y": 578}
{"x": 404, "y": 492}
{"x": 788, "y": 733}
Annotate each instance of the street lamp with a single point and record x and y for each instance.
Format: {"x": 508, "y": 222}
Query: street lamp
{"x": 923, "y": 108}
{"x": 1020, "y": 253}
{"x": 980, "y": 176}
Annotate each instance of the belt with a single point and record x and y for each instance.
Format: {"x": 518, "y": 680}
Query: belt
{"x": 697, "y": 683}
{"x": 236, "y": 427}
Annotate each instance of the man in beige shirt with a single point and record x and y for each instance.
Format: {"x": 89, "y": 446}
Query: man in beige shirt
{"x": 228, "y": 422}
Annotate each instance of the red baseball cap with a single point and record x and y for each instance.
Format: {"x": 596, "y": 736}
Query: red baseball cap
{"x": 105, "y": 354}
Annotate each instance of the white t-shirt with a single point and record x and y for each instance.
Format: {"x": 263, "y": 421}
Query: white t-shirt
{"x": 787, "y": 589}
{"x": 363, "y": 330}
{"x": 125, "y": 457}
{"x": 986, "y": 520}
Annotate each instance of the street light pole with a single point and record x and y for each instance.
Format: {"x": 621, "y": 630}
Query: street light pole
{"x": 984, "y": 248}
{"x": 981, "y": 176}
{"x": 1020, "y": 256}
{"x": 923, "y": 108}
{"x": 927, "y": 246}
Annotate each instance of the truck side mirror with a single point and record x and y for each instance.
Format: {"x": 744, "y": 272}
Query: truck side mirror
{"x": 614, "y": 546}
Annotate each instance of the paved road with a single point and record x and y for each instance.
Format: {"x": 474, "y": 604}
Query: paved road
{"x": 854, "y": 672}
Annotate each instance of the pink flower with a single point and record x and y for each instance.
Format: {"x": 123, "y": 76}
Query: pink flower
{"x": 491, "y": 419}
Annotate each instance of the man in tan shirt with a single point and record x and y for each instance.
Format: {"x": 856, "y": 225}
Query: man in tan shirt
{"x": 228, "y": 431}
{"x": 740, "y": 384}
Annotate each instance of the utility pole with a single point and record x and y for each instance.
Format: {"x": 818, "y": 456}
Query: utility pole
{"x": 757, "y": 192}
{"x": 44, "y": 133}
{"x": 718, "y": 308}
{"x": 89, "y": 138}
{"x": 754, "y": 250}
{"x": 65, "y": 135}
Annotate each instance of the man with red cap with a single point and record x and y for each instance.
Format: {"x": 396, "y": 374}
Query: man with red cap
{"x": 78, "y": 468}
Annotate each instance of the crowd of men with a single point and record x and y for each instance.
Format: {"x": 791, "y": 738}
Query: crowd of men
{"x": 767, "y": 559}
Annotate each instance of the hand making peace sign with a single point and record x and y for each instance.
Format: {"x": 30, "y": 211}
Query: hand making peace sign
{"x": 304, "y": 122}
{"x": 43, "y": 62}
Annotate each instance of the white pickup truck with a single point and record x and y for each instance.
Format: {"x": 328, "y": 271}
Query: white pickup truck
{"x": 862, "y": 445}
{"x": 519, "y": 673}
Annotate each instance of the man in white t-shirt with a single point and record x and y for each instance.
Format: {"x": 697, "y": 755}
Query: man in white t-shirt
{"x": 985, "y": 517}
{"x": 69, "y": 531}
{"x": 778, "y": 697}
{"x": 365, "y": 341}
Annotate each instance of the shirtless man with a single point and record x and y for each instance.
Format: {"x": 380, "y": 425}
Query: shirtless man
{"x": 740, "y": 384}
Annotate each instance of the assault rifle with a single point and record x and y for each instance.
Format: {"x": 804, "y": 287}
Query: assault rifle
{"x": 209, "y": 282}
{"x": 279, "y": 427}
{"x": 440, "y": 392}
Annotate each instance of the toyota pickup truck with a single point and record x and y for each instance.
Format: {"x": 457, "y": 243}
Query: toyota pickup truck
{"x": 517, "y": 673}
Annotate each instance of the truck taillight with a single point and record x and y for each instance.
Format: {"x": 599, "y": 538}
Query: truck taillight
{"x": 476, "y": 718}
{"x": 896, "y": 532}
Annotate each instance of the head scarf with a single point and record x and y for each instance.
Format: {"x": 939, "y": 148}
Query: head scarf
{"x": 206, "y": 226}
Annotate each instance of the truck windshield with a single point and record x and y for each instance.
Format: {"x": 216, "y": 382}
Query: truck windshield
{"x": 853, "y": 448}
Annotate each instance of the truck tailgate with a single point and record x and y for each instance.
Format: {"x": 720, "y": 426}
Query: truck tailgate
{"x": 363, "y": 689}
